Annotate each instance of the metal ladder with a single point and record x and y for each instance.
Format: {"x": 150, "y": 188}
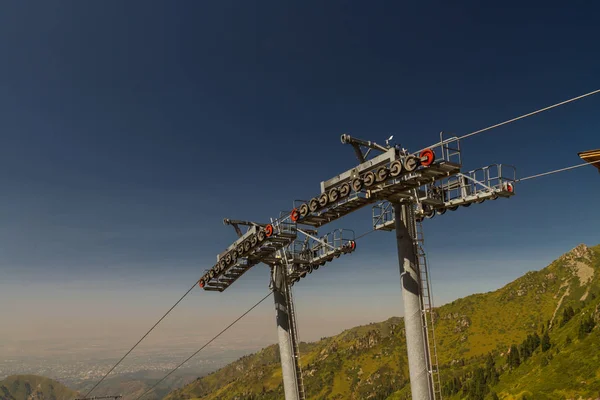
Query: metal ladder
{"x": 427, "y": 313}
{"x": 294, "y": 339}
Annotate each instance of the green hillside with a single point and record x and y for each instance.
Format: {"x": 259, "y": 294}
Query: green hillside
{"x": 534, "y": 338}
{"x": 32, "y": 387}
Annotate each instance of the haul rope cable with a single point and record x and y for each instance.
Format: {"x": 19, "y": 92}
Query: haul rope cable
{"x": 139, "y": 341}
{"x": 206, "y": 344}
{"x": 557, "y": 170}
{"x": 529, "y": 114}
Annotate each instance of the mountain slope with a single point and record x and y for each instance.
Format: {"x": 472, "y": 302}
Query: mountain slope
{"x": 32, "y": 387}
{"x": 569, "y": 369}
{"x": 480, "y": 323}
{"x": 474, "y": 337}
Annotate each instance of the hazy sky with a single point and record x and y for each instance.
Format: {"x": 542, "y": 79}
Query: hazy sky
{"x": 129, "y": 130}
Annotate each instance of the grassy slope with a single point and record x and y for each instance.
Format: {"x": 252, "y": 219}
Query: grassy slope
{"x": 371, "y": 360}
{"x": 573, "y": 368}
{"x": 23, "y": 387}
{"x": 573, "y": 371}
{"x": 506, "y": 316}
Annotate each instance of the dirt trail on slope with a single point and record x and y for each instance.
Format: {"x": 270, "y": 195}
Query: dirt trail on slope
{"x": 559, "y": 303}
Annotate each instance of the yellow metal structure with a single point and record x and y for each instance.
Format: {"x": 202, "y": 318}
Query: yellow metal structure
{"x": 591, "y": 156}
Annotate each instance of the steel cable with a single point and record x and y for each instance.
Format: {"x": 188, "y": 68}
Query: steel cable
{"x": 139, "y": 341}
{"x": 206, "y": 344}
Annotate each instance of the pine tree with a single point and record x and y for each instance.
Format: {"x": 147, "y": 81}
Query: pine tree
{"x": 545, "y": 342}
{"x": 492, "y": 375}
{"x": 586, "y": 326}
{"x": 478, "y": 388}
{"x": 568, "y": 313}
{"x": 514, "y": 360}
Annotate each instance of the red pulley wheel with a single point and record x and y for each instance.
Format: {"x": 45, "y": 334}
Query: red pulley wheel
{"x": 295, "y": 215}
{"x": 201, "y": 283}
{"x": 269, "y": 230}
{"x": 427, "y": 157}
{"x": 352, "y": 245}
{"x": 509, "y": 187}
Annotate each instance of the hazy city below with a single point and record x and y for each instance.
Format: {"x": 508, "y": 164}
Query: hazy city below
{"x": 77, "y": 365}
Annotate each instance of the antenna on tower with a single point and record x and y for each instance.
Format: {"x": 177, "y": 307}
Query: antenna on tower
{"x": 387, "y": 142}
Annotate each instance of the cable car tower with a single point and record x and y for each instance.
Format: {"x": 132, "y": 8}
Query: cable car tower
{"x": 404, "y": 188}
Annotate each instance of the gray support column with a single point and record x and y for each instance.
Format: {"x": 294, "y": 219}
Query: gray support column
{"x": 411, "y": 296}
{"x": 286, "y": 350}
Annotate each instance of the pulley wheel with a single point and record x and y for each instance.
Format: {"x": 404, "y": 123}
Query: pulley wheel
{"x": 430, "y": 214}
{"x": 411, "y": 163}
{"x": 369, "y": 179}
{"x": 382, "y": 174}
{"x": 268, "y": 230}
{"x": 234, "y": 257}
{"x": 334, "y": 195}
{"x": 479, "y": 201}
{"x": 316, "y": 267}
{"x": 240, "y": 249}
{"x": 466, "y": 204}
{"x": 261, "y": 235}
{"x": 222, "y": 266}
{"x": 441, "y": 211}
{"x": 323, "y": 199}
{"x": 228, "y": 258}
{"x": 247, "y": 246}
{"x": 313, "y": 204}
{"x": 344, "y": 190}
{"x": 427, "y": 157}
{"x": 357, "y": 184}
{"x": 396, "y": 168}
{"x": 201, "y": 283}
{"x": 295, "y": 215}
{"x": 453, "y": 208}
{"x": 303, "y": 209}
{"x": 253, "y": 240}
{"x": 211, "y": 273}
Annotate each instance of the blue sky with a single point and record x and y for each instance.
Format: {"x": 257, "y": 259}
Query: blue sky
{"x": 130, "y": 130}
